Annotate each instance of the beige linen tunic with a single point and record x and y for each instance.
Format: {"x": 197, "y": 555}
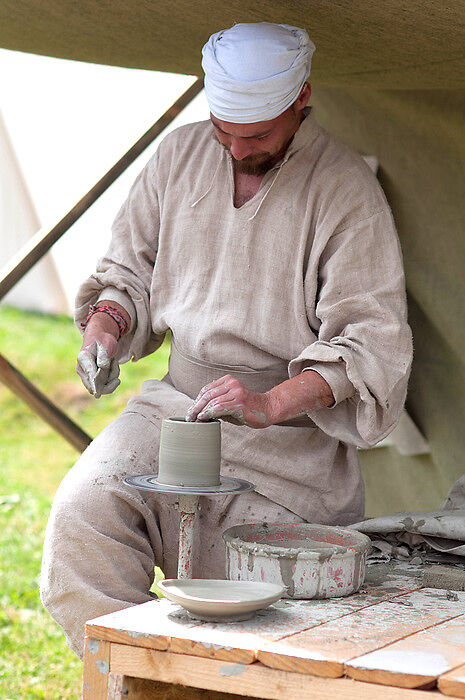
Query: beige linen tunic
{"x": 307, "y": 273}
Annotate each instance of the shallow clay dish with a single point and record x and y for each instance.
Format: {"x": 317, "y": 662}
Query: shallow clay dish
{"x": 219, "y": 600}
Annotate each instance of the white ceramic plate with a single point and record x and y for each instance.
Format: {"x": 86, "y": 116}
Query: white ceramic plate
{"x": 218, "y": 600}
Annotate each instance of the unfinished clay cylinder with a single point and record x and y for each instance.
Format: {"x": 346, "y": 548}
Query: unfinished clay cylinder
{"x": 190, "y": 453}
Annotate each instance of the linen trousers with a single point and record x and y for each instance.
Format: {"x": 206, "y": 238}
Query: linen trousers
{"x": 104, "y": 538}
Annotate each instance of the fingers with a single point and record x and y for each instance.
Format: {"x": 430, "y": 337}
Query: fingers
{"x": 103, "y": 358}
{"x": 98, "y": 370}
{"x": 84, "y": 380}
{"x": 218, "y": 407}
{"x": 111, "y": 386}
{"x": 213, "y": 385}
{"x": 100, "y": 381}
{"x": 114, "y": 369}
{"x": 86, "y": 362}
{"x": 106, "y": 379}
{"x": 235, "y": 413}
{"x": 205, "y": 396}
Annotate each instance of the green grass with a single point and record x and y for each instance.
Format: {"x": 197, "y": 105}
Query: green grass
{"x": 34, "y": 659}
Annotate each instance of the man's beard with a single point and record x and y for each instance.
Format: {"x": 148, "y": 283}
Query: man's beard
{"x": 258, "y": 164}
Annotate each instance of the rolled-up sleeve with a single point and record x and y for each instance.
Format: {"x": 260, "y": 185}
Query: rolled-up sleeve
{"x": 364, "y": 344}
{"x": 125, "y": 272}
{"x": 335, "y": 376}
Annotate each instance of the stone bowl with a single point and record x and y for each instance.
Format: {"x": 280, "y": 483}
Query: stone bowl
{"x": 311, "y": 561}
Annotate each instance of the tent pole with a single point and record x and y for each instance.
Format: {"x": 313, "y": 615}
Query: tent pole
{"x": 41, "y": 405}
{"x": 43, "y": 240}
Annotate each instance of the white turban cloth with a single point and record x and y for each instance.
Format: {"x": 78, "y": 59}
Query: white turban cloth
{"x": 254, "y": 72}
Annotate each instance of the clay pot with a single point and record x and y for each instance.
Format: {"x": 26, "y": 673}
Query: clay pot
{"x": 190, "y": 453}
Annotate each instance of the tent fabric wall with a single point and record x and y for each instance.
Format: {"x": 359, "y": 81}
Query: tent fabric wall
{"x": 418, "y": 138}
{"x": 365, "y": 43}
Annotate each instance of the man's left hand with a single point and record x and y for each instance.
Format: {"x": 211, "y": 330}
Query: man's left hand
{"x": 229, "y": 398}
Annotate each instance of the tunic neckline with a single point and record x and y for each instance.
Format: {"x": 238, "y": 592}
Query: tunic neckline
{"x": 304, "y": 137}
{"x": 232, "y": 188}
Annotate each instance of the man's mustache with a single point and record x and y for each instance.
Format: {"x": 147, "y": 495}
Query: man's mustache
{"x": 256, "y": 164}
{"x": 254, "y": 158}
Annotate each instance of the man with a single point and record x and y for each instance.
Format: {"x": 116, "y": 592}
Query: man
{"x": 269, "y": 250}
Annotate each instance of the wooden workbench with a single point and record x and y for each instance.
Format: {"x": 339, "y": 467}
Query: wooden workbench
{"x": 393, "y": 633}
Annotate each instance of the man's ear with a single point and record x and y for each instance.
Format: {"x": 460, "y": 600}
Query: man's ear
{"x": 304, "y": 96}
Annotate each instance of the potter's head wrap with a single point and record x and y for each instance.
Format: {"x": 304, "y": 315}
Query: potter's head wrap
{"x": 254, "y": 72}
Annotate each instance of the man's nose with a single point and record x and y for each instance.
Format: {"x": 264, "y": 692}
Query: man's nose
{"x": 239, "y": 148}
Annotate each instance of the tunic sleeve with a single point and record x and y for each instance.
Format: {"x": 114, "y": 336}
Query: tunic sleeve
{"x": 364, "y": 344}
{"x": 125, "y": 272}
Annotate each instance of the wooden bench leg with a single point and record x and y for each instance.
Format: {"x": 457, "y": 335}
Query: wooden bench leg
{"x": 96, "y": 669}
{"x": 117, "y": 689}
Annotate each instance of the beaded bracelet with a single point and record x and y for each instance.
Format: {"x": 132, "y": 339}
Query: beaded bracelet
{"x": 111, "y": 311}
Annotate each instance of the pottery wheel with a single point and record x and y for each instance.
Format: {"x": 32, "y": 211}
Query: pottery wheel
{"x": 187, "y": 505}
{"x": 149, "y": 482}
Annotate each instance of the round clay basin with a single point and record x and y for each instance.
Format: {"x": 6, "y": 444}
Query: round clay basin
{"x": 310, "y": 561}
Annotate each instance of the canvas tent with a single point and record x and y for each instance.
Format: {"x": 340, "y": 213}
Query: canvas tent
{"x": 389, "y": 79}
{"x": 19, "y": 221}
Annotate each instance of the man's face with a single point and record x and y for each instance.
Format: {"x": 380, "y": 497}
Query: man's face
{"x": 255, "y": 148}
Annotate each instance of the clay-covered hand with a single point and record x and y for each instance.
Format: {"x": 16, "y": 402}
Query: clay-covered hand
{"x": 229, "y": 398}
{"x": 97, "y": 365}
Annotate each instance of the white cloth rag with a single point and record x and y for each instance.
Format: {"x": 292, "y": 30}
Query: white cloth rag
{"x": 407, "y": 534}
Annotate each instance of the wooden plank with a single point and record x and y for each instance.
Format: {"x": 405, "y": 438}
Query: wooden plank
{"x": 416, "y": 661}
{"x": 162, "y": 624}
{"x": 253, "y": 680}
{"x": 40, "y": 404}
{"x": 136, "y": 626}
{"x": 324, "y": 650}
{"x": 145, "y": 689}
{"x": 96, "y": 669}
{"x": 453, "y": 682}
{"x": 382, "y": 573}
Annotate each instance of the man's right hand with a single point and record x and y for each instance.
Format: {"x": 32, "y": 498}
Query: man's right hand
{"x": 96, "y": 362}
{"x": 99, "y": 371}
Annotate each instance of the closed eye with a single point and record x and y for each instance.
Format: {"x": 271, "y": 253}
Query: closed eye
{"x": 259, "y": 137}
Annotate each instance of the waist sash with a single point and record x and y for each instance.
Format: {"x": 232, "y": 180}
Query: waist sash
{"x": 188, "y": 375}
